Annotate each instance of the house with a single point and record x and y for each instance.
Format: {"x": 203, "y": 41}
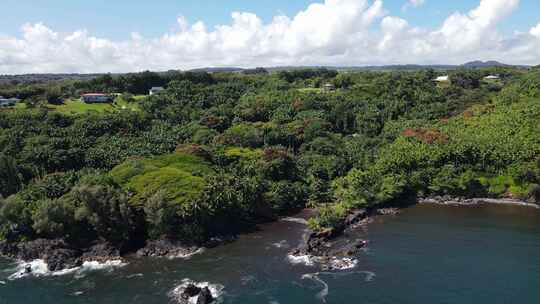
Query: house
{"x": 444, "y": 78}
{"x": 329, "y": 87}
{"x": 156, "y": 90}
{"x": 8, "y": 102}
{"x": 492, "y": 77}
{"x": 96, "y": 98}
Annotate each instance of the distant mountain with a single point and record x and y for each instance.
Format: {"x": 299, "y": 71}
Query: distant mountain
{"x": 40, "y": 78}
{"x": 47, "y": 77}
{"x": 484, "y": 64}
{"x": 217, "y": 70}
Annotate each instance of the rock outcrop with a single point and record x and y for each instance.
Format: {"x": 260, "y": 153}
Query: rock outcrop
{"x": 57, "y": 253}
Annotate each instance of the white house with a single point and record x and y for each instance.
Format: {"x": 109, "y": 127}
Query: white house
{"x": 96, "y": 98}
{"x": 328, "y": 87}
{"x": 492, "y": 77}
{"x": 8, "y": 102}
{"x": 156, "y": 90}
{"x": 441, "y": 79}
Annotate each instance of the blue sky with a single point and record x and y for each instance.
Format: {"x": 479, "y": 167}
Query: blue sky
{"x": 38, "y": 36}
{"x": 116, "y": 19}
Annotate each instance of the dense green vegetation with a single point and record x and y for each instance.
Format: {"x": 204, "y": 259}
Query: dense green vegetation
{"x": 216, "y": 153}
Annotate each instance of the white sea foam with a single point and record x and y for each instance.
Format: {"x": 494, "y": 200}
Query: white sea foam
{"x": 301, "y": 259}
{"x": 135, "y": 275}
{"x": 343, "y": 263}
{"x": 38, "y": 268}
{"x": 215, "y": 289}
{"x": 323, "y": 294}
{"x": 96, "y": 266}
{"x": 281, "y": 244}
{"x": 187, "y": 255}
{"x": 294, "y": 220}
{"x": 93, "y": 266}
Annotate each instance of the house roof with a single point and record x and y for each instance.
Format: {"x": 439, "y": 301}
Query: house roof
{"x": 94, "y": 94}
{"x": 441, "y": 78}
{"x": 157, "y": 88}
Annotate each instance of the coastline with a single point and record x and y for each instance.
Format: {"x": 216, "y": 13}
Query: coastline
{"x": 60, "y": 256}
{"x": 318, "y": 246}
{"x": 457, "y": 201}
{"x": 57, "y": 256}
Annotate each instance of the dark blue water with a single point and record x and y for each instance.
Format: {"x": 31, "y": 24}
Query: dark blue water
{"x": 428, "y": 254}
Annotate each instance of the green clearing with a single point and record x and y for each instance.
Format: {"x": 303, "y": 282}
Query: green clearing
{"x": 75, "y": 106}
{"x": 311, "y": 90}
{"x": 178, "y": 175}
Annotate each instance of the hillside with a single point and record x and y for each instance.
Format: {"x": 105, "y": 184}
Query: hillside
{"x": 217, "y": 153}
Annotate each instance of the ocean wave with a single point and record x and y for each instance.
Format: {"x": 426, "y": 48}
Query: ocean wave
{"x": 186, "y": 255}
{"x": 38, "y": 268}
{"x": 215, "y": 289}
{"x": 321, "y": 295}
{"x": 316, "y": 277}
{"x": 333, "y": 263}
{"x": 281, "y": 244}
{"x": 135, "y": 275}
{"x": 369, "y": 275}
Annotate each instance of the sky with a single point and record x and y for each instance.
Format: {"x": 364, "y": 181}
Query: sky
{"x": 67, "y": 36}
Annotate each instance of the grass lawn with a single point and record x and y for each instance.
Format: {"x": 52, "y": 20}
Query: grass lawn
{"x": 75, "y": 106}
{"x": 139, "y": 97}
{"x": 311, "y": 90}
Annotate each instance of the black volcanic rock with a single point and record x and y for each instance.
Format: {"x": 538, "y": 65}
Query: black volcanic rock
{"x": 205, "y": 296}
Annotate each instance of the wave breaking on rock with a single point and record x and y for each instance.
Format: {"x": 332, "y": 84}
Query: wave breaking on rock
{"x": 191, "y": 292}
{"x": 39, "y": 268}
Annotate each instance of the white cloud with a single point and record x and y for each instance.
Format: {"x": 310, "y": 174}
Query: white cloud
{"x": 535, "y": 31}
{"x": 413, "y": 3}
{"x": 336, "y": 32}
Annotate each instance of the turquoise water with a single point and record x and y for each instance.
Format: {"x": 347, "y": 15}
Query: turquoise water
{"x": 428, "y": 254}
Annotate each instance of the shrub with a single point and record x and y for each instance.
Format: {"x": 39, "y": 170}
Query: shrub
{"x": 54, "y": 218}
{"x": 160, "y": 215}
{"x": 15, "y": 220}
{"x": 534, "y": 192}
{"x": 107, "y": 211}
{"x": 329, "y": 216}
{"x": 284, "y": 196}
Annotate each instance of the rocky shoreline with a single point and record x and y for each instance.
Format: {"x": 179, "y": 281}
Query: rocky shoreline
{"x": 460, "y": 201}
{"x": 320, "y": 245}
{"x": 59, "y": 255}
